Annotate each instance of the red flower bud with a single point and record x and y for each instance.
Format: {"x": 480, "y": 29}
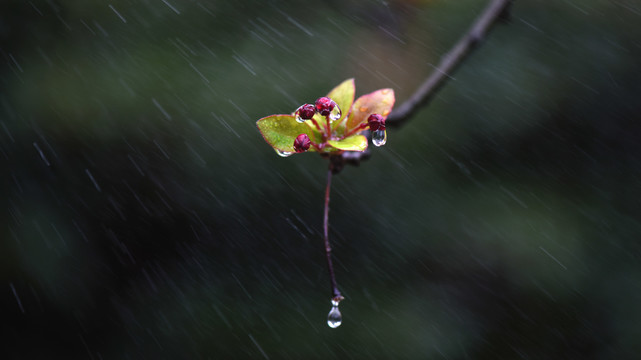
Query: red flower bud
{"x": 305, "y": 112}
{"x": 376, "y": 122}
{"x": 302, "y": 143}
{"x": 325, "y": 105}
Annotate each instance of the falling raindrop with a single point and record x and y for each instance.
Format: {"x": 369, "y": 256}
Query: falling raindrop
{"x": 283, "y": 153}
{"x": 334, "y": 318}
{"x": 335, "y": 114}
{"x": 379, "y": 137}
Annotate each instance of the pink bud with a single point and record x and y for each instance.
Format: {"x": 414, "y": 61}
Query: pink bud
{"x": 325, "y": 105}
{"x": 306, "y": 111}
{"x": 302, "y": 143}
{"x": 376, "y": 122}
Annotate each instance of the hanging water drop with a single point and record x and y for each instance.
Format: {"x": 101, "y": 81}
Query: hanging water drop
{"x": 334, "y": 318}
{"x": 335, "y": 113}
{"x": 283, "y": 153}
{"x": 379, "y": 137}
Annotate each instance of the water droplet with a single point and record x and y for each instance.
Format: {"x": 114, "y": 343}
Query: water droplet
{"x": 379, "y": 137}
{"x": 335, "y": 114}
{"x": 283, "y": 153}
{"x": 334, "y": 318}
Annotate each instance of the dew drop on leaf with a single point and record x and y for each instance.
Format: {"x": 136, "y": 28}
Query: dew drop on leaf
{"x": 335, "y": 114}
{"x": 379, "y": 137}
{"x": 283, "y": 153}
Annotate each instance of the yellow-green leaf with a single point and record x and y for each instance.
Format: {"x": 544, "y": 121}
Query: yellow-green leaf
{"x": 280, "y": 131}
{"x": 343, "y": 95}
{"x": 352, "y": 143}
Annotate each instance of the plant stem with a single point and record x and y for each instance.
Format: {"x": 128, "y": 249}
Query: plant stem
{"x": 336, "y": 294}
{"x": 355, "y": 130}
{"x": 316, "y": 124}
{"x": 328, "y": 129}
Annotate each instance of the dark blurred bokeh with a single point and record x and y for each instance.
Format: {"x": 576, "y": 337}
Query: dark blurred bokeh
{"x": 145, "y": 217}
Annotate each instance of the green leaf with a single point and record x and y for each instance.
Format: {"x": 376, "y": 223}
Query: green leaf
{"x": 343, "y": 95}
{"x": 280, "y": 131}
{"x": 377, "y": 102}
{"x": 352, "y": 143}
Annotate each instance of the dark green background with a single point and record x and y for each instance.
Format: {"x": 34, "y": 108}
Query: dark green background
{"x": 143, "y": 215}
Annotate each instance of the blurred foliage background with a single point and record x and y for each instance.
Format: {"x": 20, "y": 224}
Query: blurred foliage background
{"x": 145, "y": 217}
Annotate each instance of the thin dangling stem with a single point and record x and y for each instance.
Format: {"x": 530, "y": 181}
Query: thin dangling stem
{"x": 336, "y": 294}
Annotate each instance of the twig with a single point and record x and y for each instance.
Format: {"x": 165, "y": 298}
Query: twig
{"x": 336, "y": 294}
{"x": 495, "y": 11}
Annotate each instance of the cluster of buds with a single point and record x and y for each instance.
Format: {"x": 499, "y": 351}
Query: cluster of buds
{"x": 328, "y": 108}
{"x": 331, "y": 125}
{"x": 324, "y": 106}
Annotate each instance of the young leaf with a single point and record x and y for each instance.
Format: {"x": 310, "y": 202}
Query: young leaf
{"x": 352, "y": 143}
{"x": 377, "y": 102}
{"x": 343, "y": 95}
{"x": 280, "y": 131}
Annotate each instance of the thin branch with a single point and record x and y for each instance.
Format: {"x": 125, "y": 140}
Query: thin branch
{"x": 495, "y": 11}
{"x": 336, "y": 294}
